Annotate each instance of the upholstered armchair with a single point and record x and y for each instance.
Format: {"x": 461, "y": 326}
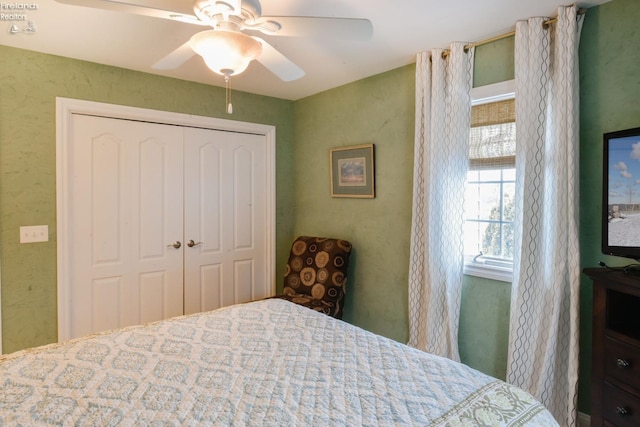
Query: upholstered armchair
{"x": 316, "y": 274}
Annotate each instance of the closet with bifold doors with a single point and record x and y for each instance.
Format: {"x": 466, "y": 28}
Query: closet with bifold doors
{"x": 161, "y": 220}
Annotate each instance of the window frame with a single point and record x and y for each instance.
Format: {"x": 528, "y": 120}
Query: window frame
{"x": 483, "y": 95}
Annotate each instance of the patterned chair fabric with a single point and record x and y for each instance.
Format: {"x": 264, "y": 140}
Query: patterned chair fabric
{"x": 316, "y": 274}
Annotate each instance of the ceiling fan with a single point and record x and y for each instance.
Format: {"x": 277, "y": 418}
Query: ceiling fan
{"x": 233, "y": 41}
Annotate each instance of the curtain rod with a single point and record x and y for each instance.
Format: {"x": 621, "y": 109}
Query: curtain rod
{"x": 545, "y": 24}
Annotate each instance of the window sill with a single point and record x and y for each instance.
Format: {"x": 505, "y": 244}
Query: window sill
{"x": 488, "y": 272}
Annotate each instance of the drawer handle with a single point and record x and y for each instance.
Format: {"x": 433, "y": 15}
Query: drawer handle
{"x": 622, "y": 364}
{"x": 621, "y": 411}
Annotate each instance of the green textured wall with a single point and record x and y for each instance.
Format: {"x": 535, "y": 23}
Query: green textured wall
{"x": 610, "y": 100}
{"x": 483, "y": 337}
{"x": 29, "y": 85}
{"x": 378, "y": 110}
{"x": 494, "y": 62}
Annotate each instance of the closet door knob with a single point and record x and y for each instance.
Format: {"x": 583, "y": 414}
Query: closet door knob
{"x": 175, "y": 245}
{"x": 192, "y": 243}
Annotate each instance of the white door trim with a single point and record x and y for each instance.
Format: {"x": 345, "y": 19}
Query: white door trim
{"x": 66, "y": 108}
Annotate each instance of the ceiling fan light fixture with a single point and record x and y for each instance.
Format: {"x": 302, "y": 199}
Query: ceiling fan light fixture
{"x": 227, "y": 53}
{"x": 227, "y": 6}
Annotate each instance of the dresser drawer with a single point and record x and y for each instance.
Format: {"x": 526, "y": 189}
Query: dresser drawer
{"x": 620, "y": 408}
{"x": 621, "y": 361}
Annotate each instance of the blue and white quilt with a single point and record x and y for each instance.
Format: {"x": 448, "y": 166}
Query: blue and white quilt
{"x": 266, "y": 363}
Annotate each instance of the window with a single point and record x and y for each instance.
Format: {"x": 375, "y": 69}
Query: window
{"x": 491, "y": 188}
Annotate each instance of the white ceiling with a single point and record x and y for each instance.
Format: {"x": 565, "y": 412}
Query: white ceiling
{"x": 401, "y": 28}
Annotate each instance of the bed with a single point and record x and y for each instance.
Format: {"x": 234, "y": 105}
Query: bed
{"x": 265, "y": 363}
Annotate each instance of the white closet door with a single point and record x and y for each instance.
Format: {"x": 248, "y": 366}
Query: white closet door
{"x": 226, "y": 188}
{"x": 126, "y": 180}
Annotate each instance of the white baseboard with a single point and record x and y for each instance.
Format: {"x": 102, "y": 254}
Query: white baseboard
{"x": 584, "y": 420}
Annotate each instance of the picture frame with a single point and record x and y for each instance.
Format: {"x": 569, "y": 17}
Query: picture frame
{"x": 353, "y": 171}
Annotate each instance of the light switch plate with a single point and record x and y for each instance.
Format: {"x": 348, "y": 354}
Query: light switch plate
{"x": 34, "y": 234}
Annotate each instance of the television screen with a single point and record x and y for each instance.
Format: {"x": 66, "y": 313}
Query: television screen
{"x": 621, "y": 194}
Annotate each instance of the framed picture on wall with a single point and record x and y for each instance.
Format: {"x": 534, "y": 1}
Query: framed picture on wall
{"x": 352, "y": 171}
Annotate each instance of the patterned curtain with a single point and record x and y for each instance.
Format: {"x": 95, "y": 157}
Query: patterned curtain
{"x": 443, "y": 112}
{"x": 543, "y": 337}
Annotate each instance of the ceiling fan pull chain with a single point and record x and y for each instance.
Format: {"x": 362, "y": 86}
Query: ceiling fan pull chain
{"x": 228, "y": 95}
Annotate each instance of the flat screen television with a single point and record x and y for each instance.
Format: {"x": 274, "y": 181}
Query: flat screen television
{"x": 621, "y": 194}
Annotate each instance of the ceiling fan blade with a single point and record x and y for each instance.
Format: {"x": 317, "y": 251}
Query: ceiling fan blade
{"x": 277, "y": 63}
{"x": 175, "y": 58}
{"x": 310, "y": 26}
{"x": 120, "y": 6}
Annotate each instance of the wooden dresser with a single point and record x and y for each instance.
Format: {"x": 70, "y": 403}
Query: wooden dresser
{"x": 615, "y": 382}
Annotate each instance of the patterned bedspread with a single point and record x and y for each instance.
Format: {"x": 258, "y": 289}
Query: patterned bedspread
{"x": 266, "y": 363}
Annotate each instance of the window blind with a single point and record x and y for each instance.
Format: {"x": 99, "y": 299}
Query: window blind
{"x": 492, "y": 143}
